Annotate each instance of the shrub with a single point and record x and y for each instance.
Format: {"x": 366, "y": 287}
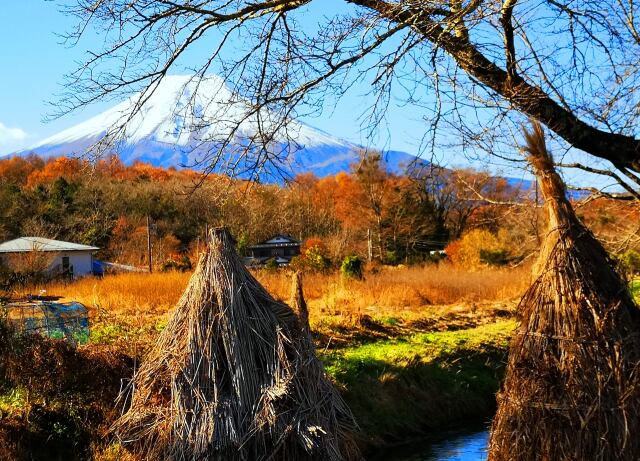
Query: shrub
{"x": 477, "y": 248}
{"x": 433, "y": 257}
{"x": 497, "y": 257}
{"x": 11, "y": 281}
{"x": 169, "y": 265}
{"x": 183, "y": 265}
{"x": 629, "y": 262}
{"x": 312, "y": 259}
{"x": 242, "y": 244}
{"x": 316, "y": 259}
{"x": 6, "y": 282}
{"x": 271, "y": 265}
{"x": 61, "y": 395}
{"x": 298, "y": 263}
{"x": 391, "y": 258}
{"x": 352, "y": 267}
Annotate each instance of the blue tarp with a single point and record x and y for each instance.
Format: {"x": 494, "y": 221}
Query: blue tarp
{"x": 97, "y": 268}
{"x": 68, "y": 321}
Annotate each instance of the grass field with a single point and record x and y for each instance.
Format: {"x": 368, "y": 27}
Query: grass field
{"x": 411, "y": 349}
{"x": 409, "y": 385}
{"x": 132, "y": 308}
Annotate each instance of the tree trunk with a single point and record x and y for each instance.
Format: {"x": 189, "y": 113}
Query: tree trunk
{"x": 623, "y": 151}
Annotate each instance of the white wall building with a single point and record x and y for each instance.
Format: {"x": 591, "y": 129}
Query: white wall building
{"x": 60, "y": 258}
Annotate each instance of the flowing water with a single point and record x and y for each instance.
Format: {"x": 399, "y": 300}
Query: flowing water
{"x": 450, "y": 446}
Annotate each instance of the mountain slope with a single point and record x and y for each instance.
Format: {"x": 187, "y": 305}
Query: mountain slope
{"x": 184, "y": 123}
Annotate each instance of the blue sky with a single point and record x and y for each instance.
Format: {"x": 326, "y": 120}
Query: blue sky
{"x": 33, "y": 65}
{"x": 34, "y": 62}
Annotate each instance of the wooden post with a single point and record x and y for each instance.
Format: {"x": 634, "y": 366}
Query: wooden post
{"x": 149, "y": 258}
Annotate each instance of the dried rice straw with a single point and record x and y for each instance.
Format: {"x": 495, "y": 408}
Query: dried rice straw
{"x": 571, "y": 390}
{"x": 234, "y": 376}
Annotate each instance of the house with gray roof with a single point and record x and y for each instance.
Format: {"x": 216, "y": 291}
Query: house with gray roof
{"x": 282, "y": 248}
{"x": 58, "y": 258}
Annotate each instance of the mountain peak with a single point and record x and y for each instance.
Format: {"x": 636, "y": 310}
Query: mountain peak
{"x": 185, "y": 118}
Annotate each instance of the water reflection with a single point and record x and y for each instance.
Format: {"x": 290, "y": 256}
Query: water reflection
{"x": 454, "y": 447}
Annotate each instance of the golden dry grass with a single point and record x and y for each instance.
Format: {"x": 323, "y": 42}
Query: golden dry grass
{"x": 392, "y": 290}
{"x": 130, "y": 307}
{"x": 135, "y": 296}
{"x": 127, "y": 309}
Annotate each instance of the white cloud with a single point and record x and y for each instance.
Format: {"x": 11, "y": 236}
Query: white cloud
{"x": 10, "y": 137}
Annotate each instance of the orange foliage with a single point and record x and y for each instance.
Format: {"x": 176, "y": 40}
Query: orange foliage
{"x": 313, "y": 242}
{"x": 17, "y": 169}
{"x": 347, "y": 197}
{"x": 467, "y": 251}
{"x": 306, "y": 181}
{"x": 111, "y": 166}
{"x": 62, "y": 167}
{"x": 453, "y": 250}
{"x": 33, "y": 171}
{"x": 141, "y": 170}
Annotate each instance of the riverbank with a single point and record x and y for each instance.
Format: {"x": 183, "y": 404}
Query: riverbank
{"x": 408, "y": 386}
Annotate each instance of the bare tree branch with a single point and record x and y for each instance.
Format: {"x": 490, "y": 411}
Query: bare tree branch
{"x": 479, "y": 67}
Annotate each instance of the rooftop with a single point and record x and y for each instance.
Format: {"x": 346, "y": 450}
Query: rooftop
{"x": 279, "y": 240}
{"x": 26, "y": 244}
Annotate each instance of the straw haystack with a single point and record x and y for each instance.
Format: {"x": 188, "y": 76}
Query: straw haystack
{"x": 572, "y": 389}
{"x": 234, "y": 376}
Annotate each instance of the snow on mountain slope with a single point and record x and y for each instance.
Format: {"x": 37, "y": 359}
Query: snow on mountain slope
{"x": 185, "y": 119}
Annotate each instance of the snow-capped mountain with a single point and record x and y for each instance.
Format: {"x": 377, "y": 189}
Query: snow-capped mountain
{"x": 186, "y": 119}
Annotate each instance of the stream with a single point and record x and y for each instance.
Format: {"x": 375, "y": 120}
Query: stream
{"x": 468, "y": 445}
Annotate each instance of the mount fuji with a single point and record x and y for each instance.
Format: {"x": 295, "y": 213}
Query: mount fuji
{"x": 185, "y": 119}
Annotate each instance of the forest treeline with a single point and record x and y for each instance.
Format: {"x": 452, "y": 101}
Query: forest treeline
{"x": 367, "y": 211}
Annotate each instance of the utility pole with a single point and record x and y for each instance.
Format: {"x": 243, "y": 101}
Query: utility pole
{"x": 149, "y": 244}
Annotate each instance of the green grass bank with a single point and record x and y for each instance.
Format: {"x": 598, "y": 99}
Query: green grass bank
{"x": 411, "y": 385}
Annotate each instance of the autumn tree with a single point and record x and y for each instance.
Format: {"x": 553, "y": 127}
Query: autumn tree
{"x": 342, "y": 194}
{"x": 373, "y": 177}
{"x": 415, "y": 224}
{"x": 305, "y": 210}
{"x": 15, "y": 170}
{"x": 55, "y": 169}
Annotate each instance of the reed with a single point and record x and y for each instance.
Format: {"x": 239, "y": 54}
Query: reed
{"x": 132, "y": 308}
